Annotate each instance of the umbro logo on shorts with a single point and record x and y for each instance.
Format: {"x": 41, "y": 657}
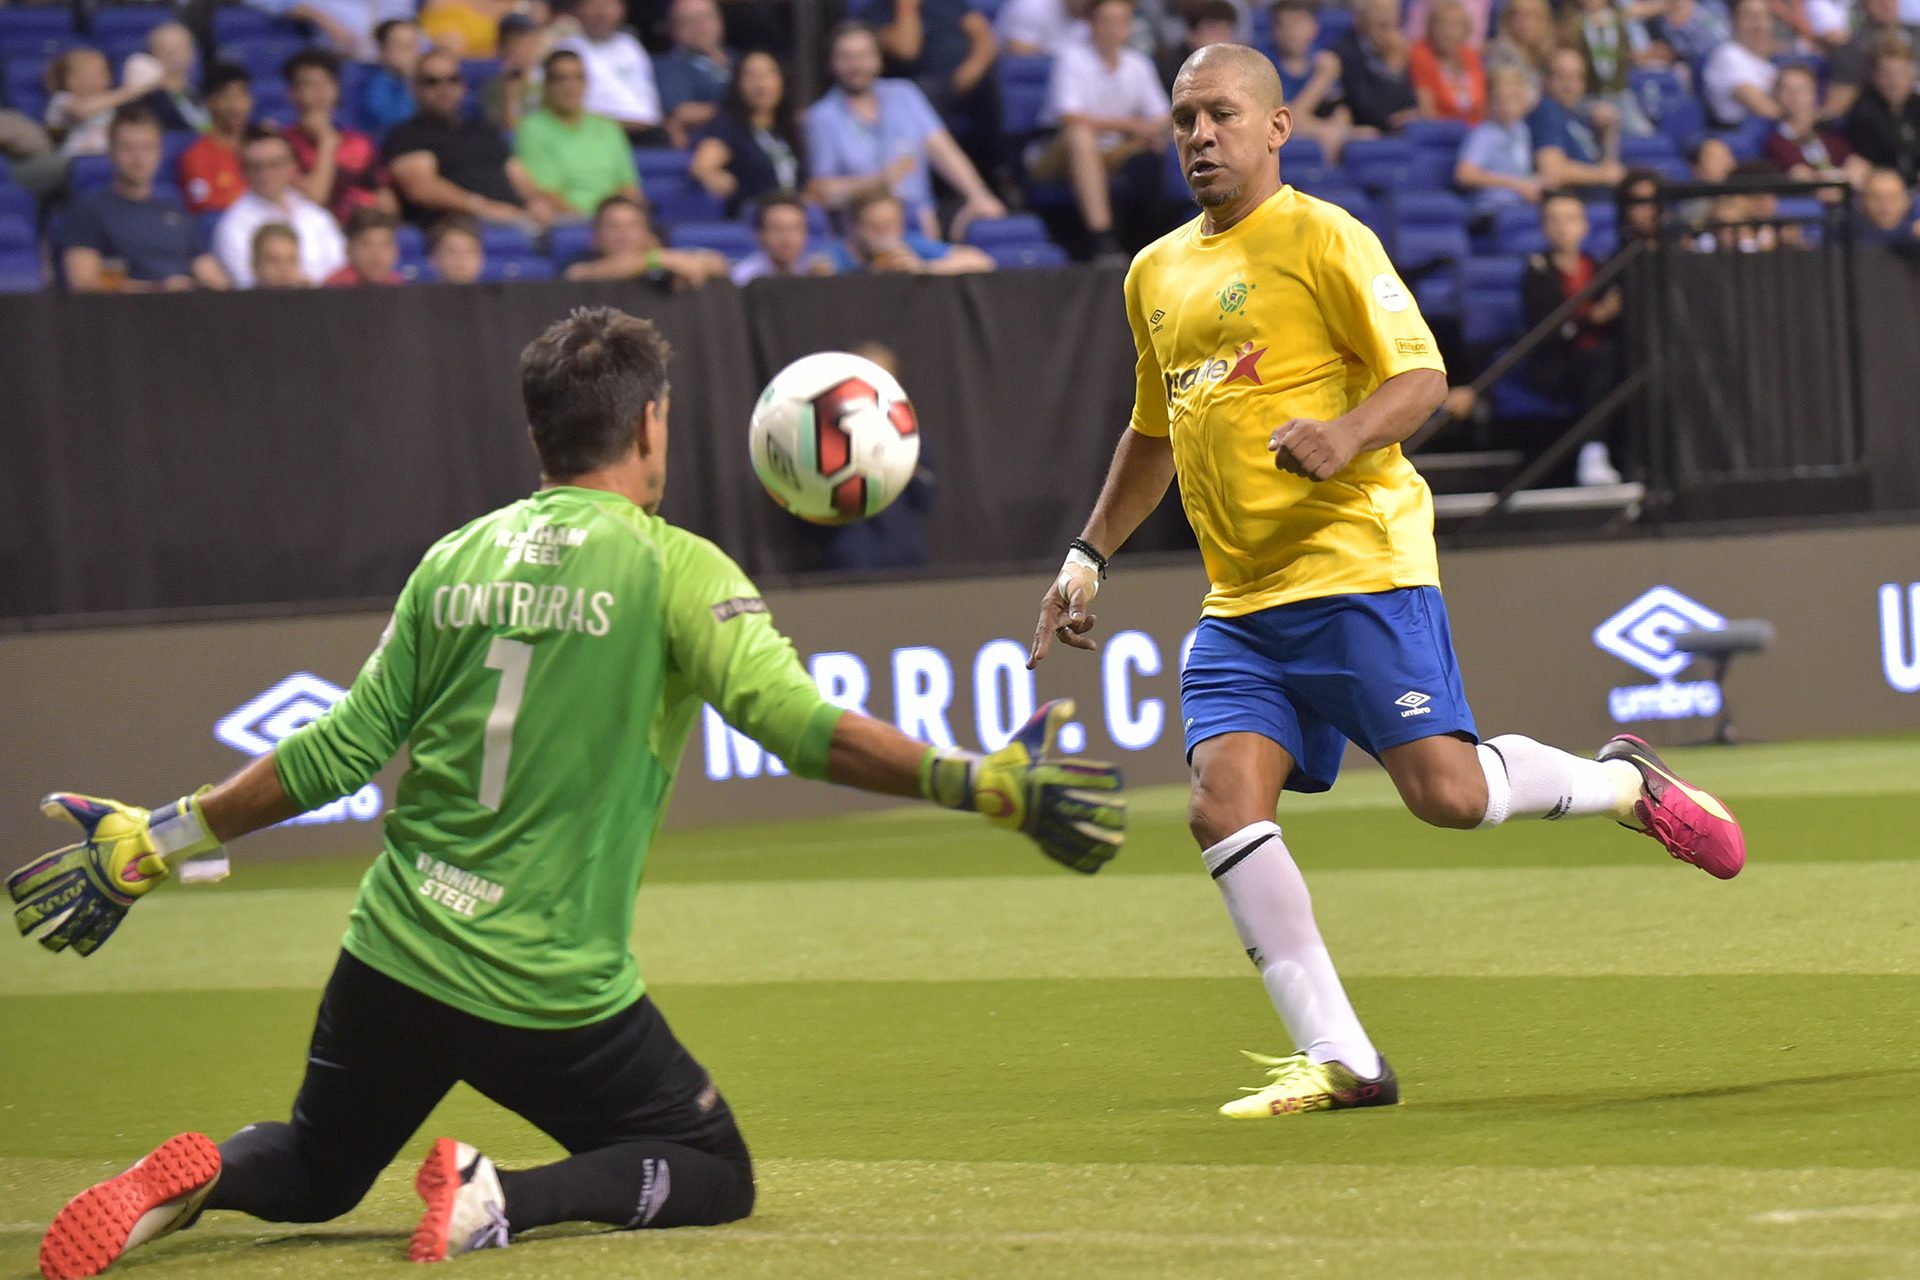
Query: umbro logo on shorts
{"x": 1415, "y": 703}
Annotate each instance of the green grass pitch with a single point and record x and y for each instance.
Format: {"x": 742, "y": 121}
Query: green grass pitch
{"x": 953, "y": 1060}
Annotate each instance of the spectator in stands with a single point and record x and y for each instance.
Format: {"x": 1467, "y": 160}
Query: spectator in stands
{"x": 170, "y": 64}
{"x": 1737, "y": 81}
{"x": 83, "y": 100}
{"x": 754, "y": 145}
{"x": 580, "y": 157}
{"x": 867, "y": 131}
{"x": 878, "y": 240}
{"x": 626, "y": 247}
{"x": 1739, "y": 221}
{"x": 32, "y": 161}
{"x": 271, "y": 196}
{"x": 1800, "y": 146}
{"x": 693, "y": 75}
{"x": 1207, "y": 22}
{"x": 456, "y": 251}
{"x": 1526, "y": 41}
{"x": 373, "y": 250}
{"x": 1576, "y": 142}
{"x": 1111, "y": 114}
{"x": 1373, "y": 67}
{"x": 1600, "y": 31}
{"x": 1713, "y": 161}
{"x": 340, "y": 169}
{"x": 126, "y": 236}
{"x": 1580, "y": 362}
{"x": 948, "y": 48}
{"x": 1419, "y": 20}
{"x": 386, "y": 95}
{"x": 1687, "y": 32}
{"x": 275, "y": 255}
{"x": 513, "y": 90}
{"x": 1886, "y": 210}
{"x": 442, "y": 162}
{"x": 1030, "y": 27}
{"x": 1448, "y": 80}
{"x": 350, "y": 27}
{"x": 1496, "y": 158}
{"x": 1884, "y": 125}
{"x": 1851, "y": 65}
{"x": 1640, "y": 207}
{"x": 780, "y": 225}
{"x": 468, "y": 28}
{"x": 210, "y": 174}
{"x": 620, "y": 84}
{"x": 1310, "y": 79}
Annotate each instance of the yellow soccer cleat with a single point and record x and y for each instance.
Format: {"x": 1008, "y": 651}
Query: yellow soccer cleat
{"x": 1299, "y": 1085}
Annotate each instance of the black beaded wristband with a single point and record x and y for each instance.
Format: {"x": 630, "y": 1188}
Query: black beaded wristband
{"x": 1086, "y": 549}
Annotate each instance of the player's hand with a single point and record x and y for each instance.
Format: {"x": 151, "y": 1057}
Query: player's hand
{"x": 1311, "y": 448}
{"x": 77, "y": 895}
{"x": 1064, "y": 614}
{"x": 1073, "y": 809}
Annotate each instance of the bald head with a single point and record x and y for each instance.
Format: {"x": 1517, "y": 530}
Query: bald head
{"x": 1245, "y": 68}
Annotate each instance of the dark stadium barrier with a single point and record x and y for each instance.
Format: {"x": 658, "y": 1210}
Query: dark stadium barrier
{"x": 1568, "y": 643}
{"x": 267, "y": 449}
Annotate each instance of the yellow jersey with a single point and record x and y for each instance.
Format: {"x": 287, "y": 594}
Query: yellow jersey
{"x": 1292, "y": 312}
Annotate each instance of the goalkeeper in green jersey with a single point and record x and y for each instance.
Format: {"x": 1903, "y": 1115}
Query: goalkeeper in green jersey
{"x": 543, "y": 669}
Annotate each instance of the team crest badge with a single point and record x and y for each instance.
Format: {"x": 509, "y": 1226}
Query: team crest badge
{"x": 1233, "y": 298}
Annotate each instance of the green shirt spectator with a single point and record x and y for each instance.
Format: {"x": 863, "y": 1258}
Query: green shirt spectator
{"x": 584, "y": 158}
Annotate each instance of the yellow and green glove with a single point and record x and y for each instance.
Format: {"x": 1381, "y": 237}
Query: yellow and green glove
{"x": 1073, "y": 809}
{"x": 76, "y": 896}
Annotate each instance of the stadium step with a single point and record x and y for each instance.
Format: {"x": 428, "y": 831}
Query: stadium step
{"x": 1581, "y": 507}
{"x": 1468, "y": 471}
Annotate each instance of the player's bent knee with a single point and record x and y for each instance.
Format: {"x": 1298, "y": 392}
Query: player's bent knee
{"x": 1454, "y": 805}
{"x": 1212, "y": 818}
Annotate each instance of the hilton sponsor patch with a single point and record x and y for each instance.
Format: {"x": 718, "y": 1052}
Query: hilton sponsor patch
{"x": 1411, "y": 346}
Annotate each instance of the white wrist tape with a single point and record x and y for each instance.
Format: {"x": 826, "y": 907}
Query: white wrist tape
{"x": 1081, "y": 567}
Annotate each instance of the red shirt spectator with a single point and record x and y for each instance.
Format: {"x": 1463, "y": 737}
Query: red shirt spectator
{"x": 339, "y": 168}
{"x": 1445, "y": 68}
{"x": 373, "y": 251}
{"x": 210, "y": 176}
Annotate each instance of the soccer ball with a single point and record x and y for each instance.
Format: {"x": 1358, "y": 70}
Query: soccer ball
{"x": 833, "y": 438}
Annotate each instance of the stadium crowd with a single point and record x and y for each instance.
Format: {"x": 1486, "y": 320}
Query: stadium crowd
{"x": 289, "y": 143}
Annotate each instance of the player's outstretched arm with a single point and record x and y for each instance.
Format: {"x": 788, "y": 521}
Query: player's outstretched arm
{"x": 1137, "y": 479}
{"x": 1073, "y": 809}
{"x": 77, "y": 895}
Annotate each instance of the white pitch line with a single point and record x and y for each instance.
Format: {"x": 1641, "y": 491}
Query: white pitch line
{"x": 1839, "y": 1213}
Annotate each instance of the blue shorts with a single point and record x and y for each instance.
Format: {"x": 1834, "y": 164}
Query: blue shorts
{"x": 1377, "y": 669}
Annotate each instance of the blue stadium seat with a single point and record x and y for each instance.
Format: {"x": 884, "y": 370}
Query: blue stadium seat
{"x": 1436, "y": 135}
{"x": 35, "y": 21}
{"x": 1028, "y": 256}
{"x": 1490, "y": 300}
{"x": 410, "y": 240}
{"x": 477, "y": 71}
{"x": 735, "y": 239}
{"x": 516, "y": 266}
{"x": 1438, "y": 294}
{"x": 1015, "y": 228}
{"x": 1426, "y": 229}
{"x": 39, "y": 46}
{"x": 1023, "y": 91}
{"x": 262, "y": 56}
{"x": 1303, "y": 163}
{"x": 683, "y": 201}
{"x": 1649, "y": 152}
{"x": 121, "y": 46}
{"x": 1334, "y": 23}
{"x": 569, "y": 242}
{"x": 660, "y": 163}
{"x": 232, "y": 22}
{"x": 818, "y": 224}
{"x": 16, "y": 202}
{"x": 1747, "y": 138}
{"x": 26, "y": 85}
{"x": 505, "y": 239}
{"x": 1417, "y": 249}
{"x": 1352, "y": 199}
{"x": 1380, "y": 164}
{"x": 20, "y": 271}
{"x": 1513, "y": 399}
{"x": 136, "y": 20}
{"x": 16, "y": 232}
{"x": 89, "y": 173}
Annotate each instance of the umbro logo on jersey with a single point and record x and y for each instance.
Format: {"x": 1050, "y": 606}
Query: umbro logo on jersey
{"x": 1415, "y": 703}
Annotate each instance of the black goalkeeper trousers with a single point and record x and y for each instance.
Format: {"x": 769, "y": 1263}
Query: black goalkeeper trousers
{"x": 651, "y": 1142}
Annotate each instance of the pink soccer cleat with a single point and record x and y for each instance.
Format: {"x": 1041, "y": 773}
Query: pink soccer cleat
{"x": 162, "y": 1193}
{"x": 1693, "y": 825}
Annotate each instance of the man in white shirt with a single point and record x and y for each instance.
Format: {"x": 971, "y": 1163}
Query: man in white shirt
{"x": 1739, "y": 74}
{"x": 1029, "y": 27}
{"x": 271, "y": 196}
{"x": 620, "y": 83}
{"x": 1107, "y": 100}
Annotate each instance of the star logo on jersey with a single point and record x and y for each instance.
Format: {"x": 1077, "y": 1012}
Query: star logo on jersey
{"x": 1248, "y": 364}
{"x": 1233, "y": 298}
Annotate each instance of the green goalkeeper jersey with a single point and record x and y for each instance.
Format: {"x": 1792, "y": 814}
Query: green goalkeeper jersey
{"x": 544, "y": 667}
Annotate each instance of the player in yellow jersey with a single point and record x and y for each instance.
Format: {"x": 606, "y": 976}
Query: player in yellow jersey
{"x": 1281, "y": 363}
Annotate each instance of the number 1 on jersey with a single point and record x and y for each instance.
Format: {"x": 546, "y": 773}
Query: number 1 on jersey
{"x": 511, "y": 659}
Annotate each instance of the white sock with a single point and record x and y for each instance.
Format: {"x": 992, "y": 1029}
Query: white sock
{"x": 1528, "y": 779}
{"x": 1273, "y": 914}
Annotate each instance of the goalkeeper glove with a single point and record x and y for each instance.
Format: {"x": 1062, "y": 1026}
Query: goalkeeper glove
{"x": 1072, "y": 809}
{"x": 76, "y": 896}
